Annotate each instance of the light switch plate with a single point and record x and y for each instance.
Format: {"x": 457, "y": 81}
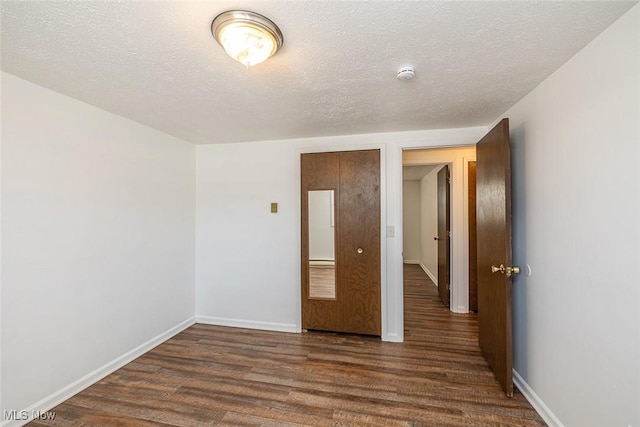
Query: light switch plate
{"x": 391, "y": 231}
{"x": 274, "y": 207}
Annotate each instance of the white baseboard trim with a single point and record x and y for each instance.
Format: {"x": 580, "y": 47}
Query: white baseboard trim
{"x": 535, "y": 401}
{"x": 411, "y": 261}
{"x": 91, "y": 378}
{"x": 392, "y": 338}
{"x": 248, "y": 324}
{"x": 433, "y": 278}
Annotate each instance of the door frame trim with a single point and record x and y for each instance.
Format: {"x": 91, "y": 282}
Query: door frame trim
{"x": 460, "y": 137}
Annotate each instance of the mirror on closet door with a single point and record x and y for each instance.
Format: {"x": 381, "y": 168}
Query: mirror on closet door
{"x": 322, "y": 260}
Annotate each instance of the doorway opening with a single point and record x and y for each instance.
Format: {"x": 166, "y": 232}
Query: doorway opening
{"x": 426, "y": 223}
{"x": 421, "y": 237}
{"x": 493, "y": 235}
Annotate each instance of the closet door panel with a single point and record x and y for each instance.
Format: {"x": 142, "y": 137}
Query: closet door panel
{"x": 359, "y": 241}
{"x": 319, "y": 171}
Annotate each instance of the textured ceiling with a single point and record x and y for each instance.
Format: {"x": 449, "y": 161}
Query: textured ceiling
{"x": 156, "y": 62}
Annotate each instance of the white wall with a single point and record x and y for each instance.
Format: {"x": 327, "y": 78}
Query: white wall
{"x": 248, "y": 260}
{"x": 98, "y": 237}
{"x": 576, "y": 209}
{"x": 429, "y": 209}
{"x": 1, "y": 126}
{"x": 411, "y": 221}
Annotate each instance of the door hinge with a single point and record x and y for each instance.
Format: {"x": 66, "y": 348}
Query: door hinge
{"x": 448, "y": 233}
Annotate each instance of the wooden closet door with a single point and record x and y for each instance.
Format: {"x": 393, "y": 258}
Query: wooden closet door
{"x": 318, "y": 171}
{"x": 355, "y": 177}
{"x": 358, "y": 243}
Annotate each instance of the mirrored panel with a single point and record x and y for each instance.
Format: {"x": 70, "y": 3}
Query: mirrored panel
{"x": 322, "y": 260}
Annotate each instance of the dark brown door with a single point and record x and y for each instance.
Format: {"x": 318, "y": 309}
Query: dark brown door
{"x": 319, "y": 172}
{"x": 444, "y": 238}
{"x": 493, "y": 181}
{"x": 473, "y": 242}
{"x": 355, "y": 178}
{"x": 358, "y": 246}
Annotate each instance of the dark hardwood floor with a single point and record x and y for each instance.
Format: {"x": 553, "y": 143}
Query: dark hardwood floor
{"x": 209, "y": 375}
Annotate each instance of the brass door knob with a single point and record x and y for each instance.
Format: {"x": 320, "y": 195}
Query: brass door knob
{"x": 495, "y": 269}
{"x": 509, "y": 271}
{"x": 359, "y": 250}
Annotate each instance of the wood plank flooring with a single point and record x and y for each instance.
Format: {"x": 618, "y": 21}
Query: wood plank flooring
{"x": 210, "y": 375}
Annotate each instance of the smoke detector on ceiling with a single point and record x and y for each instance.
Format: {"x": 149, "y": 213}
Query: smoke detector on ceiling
{"x": 406, "y": 73}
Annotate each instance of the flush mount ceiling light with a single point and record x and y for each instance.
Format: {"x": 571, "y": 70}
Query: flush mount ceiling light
{"x": 247, "y": 37}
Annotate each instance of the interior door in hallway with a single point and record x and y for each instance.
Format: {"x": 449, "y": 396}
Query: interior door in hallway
{"x": 494, "y": 257}
{"x": 354, "y": 178}
{"x": 444, "y": 238}
{"x": 473, "y": 242}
